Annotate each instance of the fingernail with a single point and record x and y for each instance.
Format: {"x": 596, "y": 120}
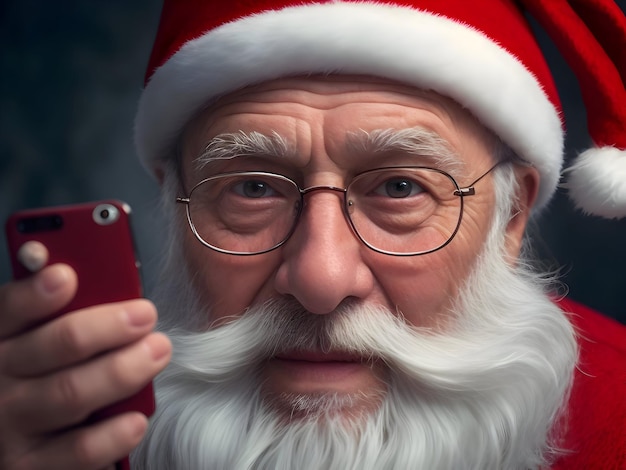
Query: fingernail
{"x": 158, "y": 345}
{"x": 52, "y": 279}
{"x": 33, "y": 255}
{"x": 140, "y": 314}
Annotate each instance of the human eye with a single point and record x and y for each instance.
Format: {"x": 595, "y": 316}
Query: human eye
{"x": 398, "y": 187}
{"x": 253, "y": 188}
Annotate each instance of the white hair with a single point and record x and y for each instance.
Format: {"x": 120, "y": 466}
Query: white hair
{"x": 487, "y": 393}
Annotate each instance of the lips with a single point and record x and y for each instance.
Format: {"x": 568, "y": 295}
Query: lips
{"x": 296, "y": 373}
{"x": 313, "y": 370}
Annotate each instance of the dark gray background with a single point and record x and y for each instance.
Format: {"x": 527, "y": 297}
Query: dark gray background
{"x": 71, "y": 73}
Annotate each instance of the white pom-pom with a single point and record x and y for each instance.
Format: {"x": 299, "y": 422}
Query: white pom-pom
{"x": 596, "y": 182}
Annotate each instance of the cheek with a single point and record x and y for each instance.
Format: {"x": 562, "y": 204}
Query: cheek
{"x": 228, "y": 284}
{"x": 421, "y": 289}
{"x": 424, "y": 288}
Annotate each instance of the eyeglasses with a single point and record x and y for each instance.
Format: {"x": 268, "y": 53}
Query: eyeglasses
{"x": 400, "y": 211}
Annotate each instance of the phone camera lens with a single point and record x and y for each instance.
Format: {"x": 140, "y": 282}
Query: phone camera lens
{"x": 105, "y": 214}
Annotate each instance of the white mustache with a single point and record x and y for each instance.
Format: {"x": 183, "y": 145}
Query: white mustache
{"x": 444, "y": 360}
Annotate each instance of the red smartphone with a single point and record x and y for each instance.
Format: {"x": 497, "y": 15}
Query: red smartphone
{"x": 96, "y": 240}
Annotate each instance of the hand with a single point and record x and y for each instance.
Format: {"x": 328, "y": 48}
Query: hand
{"x": 56, "y": 374}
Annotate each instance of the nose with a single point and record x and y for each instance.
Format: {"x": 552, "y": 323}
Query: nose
{"x": 322, "y": 262}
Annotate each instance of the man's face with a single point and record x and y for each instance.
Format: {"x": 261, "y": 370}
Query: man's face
{"x": 324, "y": 264}
{"x": 326, "y": 354}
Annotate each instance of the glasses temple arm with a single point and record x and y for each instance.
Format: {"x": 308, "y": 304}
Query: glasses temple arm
{"x": 469, "y": 189}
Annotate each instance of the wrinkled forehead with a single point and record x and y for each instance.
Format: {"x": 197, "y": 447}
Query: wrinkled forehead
{"x": 343, "y": 95}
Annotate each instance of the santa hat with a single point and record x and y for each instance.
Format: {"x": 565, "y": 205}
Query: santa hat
{"x": 482, "y": 54}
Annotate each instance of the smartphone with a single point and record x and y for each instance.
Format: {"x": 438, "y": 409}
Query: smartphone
{"x": 96, "y": 240}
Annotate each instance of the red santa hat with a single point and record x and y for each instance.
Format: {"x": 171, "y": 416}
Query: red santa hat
{"x": 481, "y": 53}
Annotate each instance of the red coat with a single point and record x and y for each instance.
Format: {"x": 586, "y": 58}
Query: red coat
{"x": 596, "y": 422}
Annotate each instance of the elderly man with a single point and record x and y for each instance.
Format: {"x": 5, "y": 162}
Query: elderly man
{"x": 347, "y": 283}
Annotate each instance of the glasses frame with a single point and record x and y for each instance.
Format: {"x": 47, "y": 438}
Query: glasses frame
{"x": 461, "y": 192}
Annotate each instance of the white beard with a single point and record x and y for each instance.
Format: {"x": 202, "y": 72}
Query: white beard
{"x": 486, "y": 394}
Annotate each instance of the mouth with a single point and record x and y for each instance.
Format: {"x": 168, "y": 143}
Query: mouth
{"x": 354, "y": 383}
{"x": 306, "y": 372}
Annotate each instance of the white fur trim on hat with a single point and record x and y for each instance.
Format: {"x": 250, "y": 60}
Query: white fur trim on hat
{"x": 399, "y": 43}
{"x": 596, "y": 182}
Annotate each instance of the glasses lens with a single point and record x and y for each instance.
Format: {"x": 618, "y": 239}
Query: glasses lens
{"x": 244, "y": 212}
{"x": 404, "y": 210}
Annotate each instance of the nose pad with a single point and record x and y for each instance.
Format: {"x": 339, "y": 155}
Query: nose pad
{"x": 322, "y": 261}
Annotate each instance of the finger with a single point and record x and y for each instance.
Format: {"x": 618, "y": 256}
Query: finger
{"x": 76, "y": 337}
{"x": 92, "y": 447}
{"x": 33, "y": 255}
{"x": 25, "y": 302}
{"x": 67, "y": 398}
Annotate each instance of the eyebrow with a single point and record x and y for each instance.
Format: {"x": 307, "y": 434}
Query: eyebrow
{"x": 243, "y": 144}
{"x": 432, "y": 149}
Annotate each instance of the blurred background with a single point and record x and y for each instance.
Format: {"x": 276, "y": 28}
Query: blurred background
{"x": 71, "y": 72}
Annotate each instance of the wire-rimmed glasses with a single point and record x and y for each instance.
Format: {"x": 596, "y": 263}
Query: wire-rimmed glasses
{"x": 401, "y": 211}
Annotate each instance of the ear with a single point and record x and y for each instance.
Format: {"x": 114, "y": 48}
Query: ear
{"x": 528, "y": 180}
